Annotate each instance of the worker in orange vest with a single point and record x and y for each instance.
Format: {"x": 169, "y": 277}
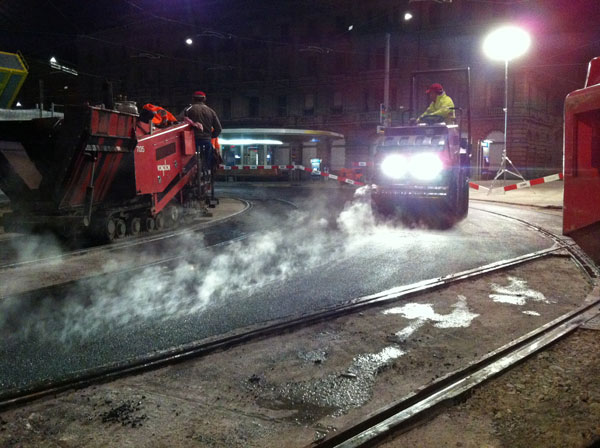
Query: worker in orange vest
{"x": 162, "y": 117}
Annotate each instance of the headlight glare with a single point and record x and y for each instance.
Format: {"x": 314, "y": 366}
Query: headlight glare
{"x": 426, "y": 166}
{"x": 394, "y": 166}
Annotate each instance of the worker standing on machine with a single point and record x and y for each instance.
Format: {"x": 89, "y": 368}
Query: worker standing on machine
{"x": 206, "y": 126}
{"x": 441, "y": 105}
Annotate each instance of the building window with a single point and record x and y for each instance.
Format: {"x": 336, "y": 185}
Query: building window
{"x": 226, "y": 108}
{"x": 496, "y": 97}
{"x": 309, "y": 104}
{"x": 394, "y": 98}
{"x": 253, "y": 106}
{"x": 282, "y": 106}
{"x": 337, "y": 106}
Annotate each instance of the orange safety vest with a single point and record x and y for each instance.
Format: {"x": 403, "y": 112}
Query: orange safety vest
{"x": 162, "y": 117}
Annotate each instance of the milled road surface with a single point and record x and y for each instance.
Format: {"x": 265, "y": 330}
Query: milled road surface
{"x": 291, "y": 389}
{"x": 296, "y": 261}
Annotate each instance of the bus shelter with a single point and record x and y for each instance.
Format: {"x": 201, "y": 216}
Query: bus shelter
{"x": 261, "y": 153}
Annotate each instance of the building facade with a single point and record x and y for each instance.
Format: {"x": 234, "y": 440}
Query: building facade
{"x": 320, "y": 65}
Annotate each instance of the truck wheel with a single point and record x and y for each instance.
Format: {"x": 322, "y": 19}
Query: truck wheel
{"x": 120, "y": 228}
{"x": 464, "y": 202}
{"x": 104, "y": 229}
{"x": 134, "y": 226}
{"x": 173, "y": 215}
{"x": 159, "y": 221}
{"x": 149, "y": 224}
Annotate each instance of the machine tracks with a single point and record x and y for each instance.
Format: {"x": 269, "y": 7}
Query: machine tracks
{"x": 24, "y": 253}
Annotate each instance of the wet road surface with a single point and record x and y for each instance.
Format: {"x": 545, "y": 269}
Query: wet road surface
{"x": 303, "y": 250}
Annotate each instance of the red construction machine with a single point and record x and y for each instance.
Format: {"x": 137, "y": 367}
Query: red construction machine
{"x": 102, "y": 172}
{"x": 581, "y": 219}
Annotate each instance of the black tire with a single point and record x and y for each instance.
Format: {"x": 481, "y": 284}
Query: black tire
{"x": 173, "y": 215}
{"x": 134, "y": 226}
{"x": 159, "y": 221}
{"x": 149, "y": 224}
{"x": 464, "y": 200}
{"x": 103, "y": 229}
{"x": 120, "y": 228}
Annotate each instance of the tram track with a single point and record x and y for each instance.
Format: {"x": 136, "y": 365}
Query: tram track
{"x": 273, "y": 328}
{"x": 421, "y": 405}
{"x": 405, "y": 412}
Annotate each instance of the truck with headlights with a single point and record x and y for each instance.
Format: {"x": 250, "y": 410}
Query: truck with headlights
{"x": 423, "y": 167}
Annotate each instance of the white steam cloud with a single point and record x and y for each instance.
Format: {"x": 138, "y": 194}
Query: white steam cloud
{"x": 300, "y": 242}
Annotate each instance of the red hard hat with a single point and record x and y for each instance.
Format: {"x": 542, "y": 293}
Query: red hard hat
{"x": 437, "y": 88}
{"x": 199, "y": 94}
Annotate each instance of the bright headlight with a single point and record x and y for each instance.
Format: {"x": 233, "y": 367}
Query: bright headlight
{"x": 425, "y": 166}
{"x": 394, "y": 166}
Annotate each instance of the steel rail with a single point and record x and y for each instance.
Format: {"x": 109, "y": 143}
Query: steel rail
{"x": 127, "y": 242}
{"x": 244, "y": 335}
{"x": 579, "y": 257}
{"x": 408, "y": 412}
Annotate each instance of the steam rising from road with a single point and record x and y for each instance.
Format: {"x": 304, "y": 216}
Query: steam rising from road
{"x": 301, "y": 242}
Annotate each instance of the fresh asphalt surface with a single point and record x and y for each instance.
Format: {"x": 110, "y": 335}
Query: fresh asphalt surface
{"x": 292, "y": 261}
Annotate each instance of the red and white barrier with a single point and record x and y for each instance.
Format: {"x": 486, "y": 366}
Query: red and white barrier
{"x": 293, "y": 167}
{"x": 531, "y": 183}
{"x": 475, "y": 186}
{"x": 256, "y": 167}
{"x": 526, "y": 184}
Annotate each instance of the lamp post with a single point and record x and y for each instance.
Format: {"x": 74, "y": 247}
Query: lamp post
{"x": 505, "y": 44}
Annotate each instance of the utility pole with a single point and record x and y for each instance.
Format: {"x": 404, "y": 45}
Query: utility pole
{"x": 386, "y": 82}
{"x": 41, "y": 97}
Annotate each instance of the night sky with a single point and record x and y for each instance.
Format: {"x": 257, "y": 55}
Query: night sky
{"x": 43, "y": 28}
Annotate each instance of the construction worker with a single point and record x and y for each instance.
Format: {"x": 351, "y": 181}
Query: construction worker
{"x": 206, "y": 126}
{"x": 441, "y": 104}
{"x": 162, "y": 117}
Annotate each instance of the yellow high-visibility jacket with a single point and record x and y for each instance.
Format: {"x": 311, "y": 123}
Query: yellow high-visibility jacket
{"x": 441, "y": 106}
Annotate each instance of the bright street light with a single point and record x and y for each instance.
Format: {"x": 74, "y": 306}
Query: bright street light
{"x": 505, "y": 44}
{"x": 407, "y": 16}
{"x": 189, "y": 41}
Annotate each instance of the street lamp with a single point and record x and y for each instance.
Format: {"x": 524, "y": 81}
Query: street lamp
{"x": 505, "y": 44}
